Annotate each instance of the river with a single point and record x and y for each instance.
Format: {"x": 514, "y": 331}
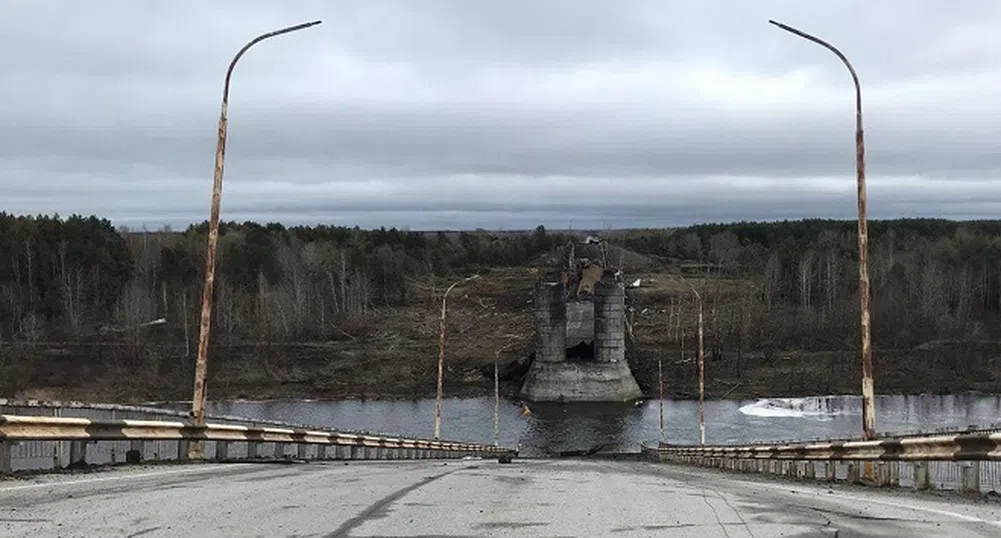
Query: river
{"x": 553, "y": 428}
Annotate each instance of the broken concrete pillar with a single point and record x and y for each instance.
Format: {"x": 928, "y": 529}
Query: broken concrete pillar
{"x": 550, "y": 322}
{"x": 609, "y": 320}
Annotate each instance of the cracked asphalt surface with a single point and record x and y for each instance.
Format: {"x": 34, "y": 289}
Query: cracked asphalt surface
{"x": 470, "y": 498}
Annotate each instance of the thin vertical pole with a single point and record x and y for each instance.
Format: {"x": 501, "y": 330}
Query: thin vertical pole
{"x": 496, "y": 403}
{"x": 702, "y": 381}
{"x": 441, "y": 357}
{"x": 865, "y": 302}
{"x": 660, "y": 381}
{"x": 201, "y": 364}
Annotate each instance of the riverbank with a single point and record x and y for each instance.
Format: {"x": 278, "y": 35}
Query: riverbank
{"x": 332, "y": 372}
{"x": 393, "y": 353}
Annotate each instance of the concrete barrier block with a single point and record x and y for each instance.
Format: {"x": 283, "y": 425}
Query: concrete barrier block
{"x": 221, "y": 450}
{"x": 854, "y": 473}
{"x": 970, "y": 476}
{"x": 922, "y": 478}
{"x": 5, "y": 466}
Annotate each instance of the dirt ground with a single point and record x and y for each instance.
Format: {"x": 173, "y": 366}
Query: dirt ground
{"x": 489, "y": 318}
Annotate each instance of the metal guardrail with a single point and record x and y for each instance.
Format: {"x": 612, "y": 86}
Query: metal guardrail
{"x": 19, "y": 428}
{"x": 18, "y": 407}
{"x": 958, "y": 461}
{"x": 971, "y": 447}
{"x": 22, "y": 428}
{"x": 974, "y": 428}
{"x": 38, "y": 435}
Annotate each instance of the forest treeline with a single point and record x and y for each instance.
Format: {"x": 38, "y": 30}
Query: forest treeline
{"x": 80, "y": 277}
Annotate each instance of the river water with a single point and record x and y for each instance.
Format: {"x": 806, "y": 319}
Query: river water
{"x": 552, "y": 428}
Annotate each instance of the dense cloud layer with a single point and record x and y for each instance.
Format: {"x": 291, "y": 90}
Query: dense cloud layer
{"x": 461, "y": 114}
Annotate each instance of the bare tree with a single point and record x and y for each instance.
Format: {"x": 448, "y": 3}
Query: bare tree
{"x": 72, "y": 293}
{"x": 805, "y": 280}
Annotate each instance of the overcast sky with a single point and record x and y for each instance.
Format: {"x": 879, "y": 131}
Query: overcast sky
{"x": 503, "y": 115}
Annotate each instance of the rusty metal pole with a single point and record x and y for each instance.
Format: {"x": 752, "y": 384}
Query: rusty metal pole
{"x": 201, "y": 365}
{"x": 441, "y": 356}
{"x": 660, "y": 382}
{"x": 702, "y": 378}
{"x": 865, "y": 303}
{"x": 496, "y": 402}
{"x": 701, "y": 361}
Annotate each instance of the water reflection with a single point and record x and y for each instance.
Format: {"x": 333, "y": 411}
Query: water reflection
{"x": 553, "y": 428}
{"x": 556, "y": 428}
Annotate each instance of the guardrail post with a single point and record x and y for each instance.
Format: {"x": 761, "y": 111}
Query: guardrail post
{"x": 302, "y": 451}
{"x": 811, "y": 470}
{"x": 253, "y": 450}
{"x": 5, "y": 466}
{"x": 970, "y": 473}
{"x": 882, "y": 475}
{"x": 182, "y": 450}
{"x": 894, "y": 473}
{"x": 222, "y": 450}
{"x": 137, "y": 451}
{"x": 922, "y": 478}
{"x": 853, "y": 473}
{"x": 78, "y": 453}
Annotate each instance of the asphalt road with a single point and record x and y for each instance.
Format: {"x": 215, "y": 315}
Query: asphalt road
{"x": 469, "y": 498}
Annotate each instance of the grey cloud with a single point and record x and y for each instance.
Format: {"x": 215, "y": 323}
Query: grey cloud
{"x": 468, "y": 114}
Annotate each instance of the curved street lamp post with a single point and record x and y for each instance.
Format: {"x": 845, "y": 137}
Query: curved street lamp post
{"x": 441, "y": 356}
{"x": 201, "y": 366}
{"x": 865, "y": 305}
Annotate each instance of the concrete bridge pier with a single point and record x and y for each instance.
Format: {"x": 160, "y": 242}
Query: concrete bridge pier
{"x": 606, "y": 376}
